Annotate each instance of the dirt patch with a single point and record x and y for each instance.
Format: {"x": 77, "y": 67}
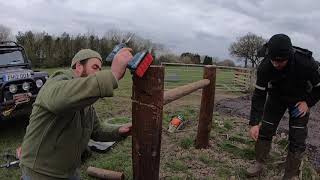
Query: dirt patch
{"x": 240, "y": 107}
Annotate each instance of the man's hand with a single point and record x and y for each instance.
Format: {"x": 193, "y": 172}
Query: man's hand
{"x": 120, "y": 62}
{"x": 125, "y": 130}
{"x": 18, "y": 153}
{"x": 303, "y": 109}
{"x": 254, "y": 132}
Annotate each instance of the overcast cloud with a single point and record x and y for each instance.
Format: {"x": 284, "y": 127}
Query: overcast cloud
{"x": 207, "y": 27}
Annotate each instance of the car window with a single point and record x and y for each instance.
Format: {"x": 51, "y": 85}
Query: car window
{"x": 11, "y": 57}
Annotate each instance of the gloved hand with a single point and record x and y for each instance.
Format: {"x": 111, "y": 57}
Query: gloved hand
{"x": 18, "y": 152}
{"x": 298, "y": 110}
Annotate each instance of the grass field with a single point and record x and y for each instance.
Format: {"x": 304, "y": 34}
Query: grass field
{"x": 230, "y": 153}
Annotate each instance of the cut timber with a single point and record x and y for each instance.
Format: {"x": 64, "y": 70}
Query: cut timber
{"x": 104, "y": 174}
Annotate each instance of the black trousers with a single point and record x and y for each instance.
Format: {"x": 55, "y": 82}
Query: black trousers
{"x": 273, "y": 112}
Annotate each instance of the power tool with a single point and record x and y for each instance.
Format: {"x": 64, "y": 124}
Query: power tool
{"x": 176, "y": 123}
{"x": 139, "y": 63}
{"x": 11, "y": 160}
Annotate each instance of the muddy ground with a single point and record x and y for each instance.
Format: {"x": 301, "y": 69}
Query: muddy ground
{"x": 240, "y": 107}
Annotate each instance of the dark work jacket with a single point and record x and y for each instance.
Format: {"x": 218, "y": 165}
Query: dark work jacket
{"x": 298, "y": 81}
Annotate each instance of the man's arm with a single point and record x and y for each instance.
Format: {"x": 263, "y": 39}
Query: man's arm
{"x": 103, "y": 131}
{"x": 313, "y": 97}
{"x": 63, "y": 94}
{"x": 258, "y": 98}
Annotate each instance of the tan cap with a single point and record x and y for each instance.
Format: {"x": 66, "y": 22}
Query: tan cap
{"x": 85, "y": 54}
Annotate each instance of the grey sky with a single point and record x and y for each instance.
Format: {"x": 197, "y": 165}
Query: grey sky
{"x": 207, "y": 27}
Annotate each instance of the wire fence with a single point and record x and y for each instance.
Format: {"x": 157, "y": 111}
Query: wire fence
{"x": 228, "y": 79}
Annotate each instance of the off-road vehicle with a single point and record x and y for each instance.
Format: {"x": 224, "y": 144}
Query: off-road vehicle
{"x": 19, "y": 84}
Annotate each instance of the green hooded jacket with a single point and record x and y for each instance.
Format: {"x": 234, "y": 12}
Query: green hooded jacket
{"x": 63, "y": 120}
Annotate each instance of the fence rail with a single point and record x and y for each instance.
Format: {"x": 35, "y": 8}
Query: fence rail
{"x": 229, "y": 79}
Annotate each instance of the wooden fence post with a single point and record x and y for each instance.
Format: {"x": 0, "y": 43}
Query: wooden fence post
{"x": 206, "y": 110}
{"x": 147, "y": 110}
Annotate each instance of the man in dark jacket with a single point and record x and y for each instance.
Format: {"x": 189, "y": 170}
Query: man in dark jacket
{"x": 63, "y": 118}
{"x": 287, "y": 78}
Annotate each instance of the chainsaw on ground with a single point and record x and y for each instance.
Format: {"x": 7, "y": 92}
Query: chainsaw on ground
{"x": 176, "y": 123}
{"x": 11, "y": 161}
{"x": 140, "y": 61}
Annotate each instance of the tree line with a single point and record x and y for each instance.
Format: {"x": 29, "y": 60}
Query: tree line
{"x": 45, "y": 50}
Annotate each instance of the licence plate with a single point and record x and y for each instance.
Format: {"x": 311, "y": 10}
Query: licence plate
{"x": 21, "y": 98}
{"x": 15, "y": 76}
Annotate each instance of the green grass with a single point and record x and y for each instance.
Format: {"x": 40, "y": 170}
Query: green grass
{"x": 117, "y": 159}
{"x": 50, "y": 71}
{"x": 177, "y": 166}
{"x": 241, "y": 173}
{"x": 243, "y": 153}
{"x": 11, "y": 135}
{"x": 119, "y": 120}
{"x": 307, "y": 171}
{"x": 186, "y": 142}
{"x": 220, "y": 130}
{"x": 283, "y": 143}
{"x": 227, "y": 125}
{"x": 205, "y": 158}
{"x": 241, "y": 139}
{"x": 175, "y": 178}
{"x": 223, "y": 172}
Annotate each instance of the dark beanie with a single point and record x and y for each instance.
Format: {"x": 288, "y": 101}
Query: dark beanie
{"x": 279, "y": 46}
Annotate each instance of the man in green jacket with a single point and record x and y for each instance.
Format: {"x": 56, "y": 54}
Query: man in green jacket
{"x": 63, "y": 118}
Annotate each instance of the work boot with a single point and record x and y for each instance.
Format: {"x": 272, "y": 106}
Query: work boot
{"x": 293, "y": 163}
{"x": 262, "y": 149}
{"x": 255, "y": 169}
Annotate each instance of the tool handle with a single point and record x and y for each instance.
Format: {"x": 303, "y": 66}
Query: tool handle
{"x": 115, "y": 51}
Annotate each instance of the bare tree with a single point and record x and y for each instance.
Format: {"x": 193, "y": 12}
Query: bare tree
{"x": 245, "y": 48}
{"x": 137, "y": 43}
{"x": 5, "y": 33}
{"x": 226, "y": 62}
{"x": 169, "y": 57}
{"x": 116, "y": 36}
